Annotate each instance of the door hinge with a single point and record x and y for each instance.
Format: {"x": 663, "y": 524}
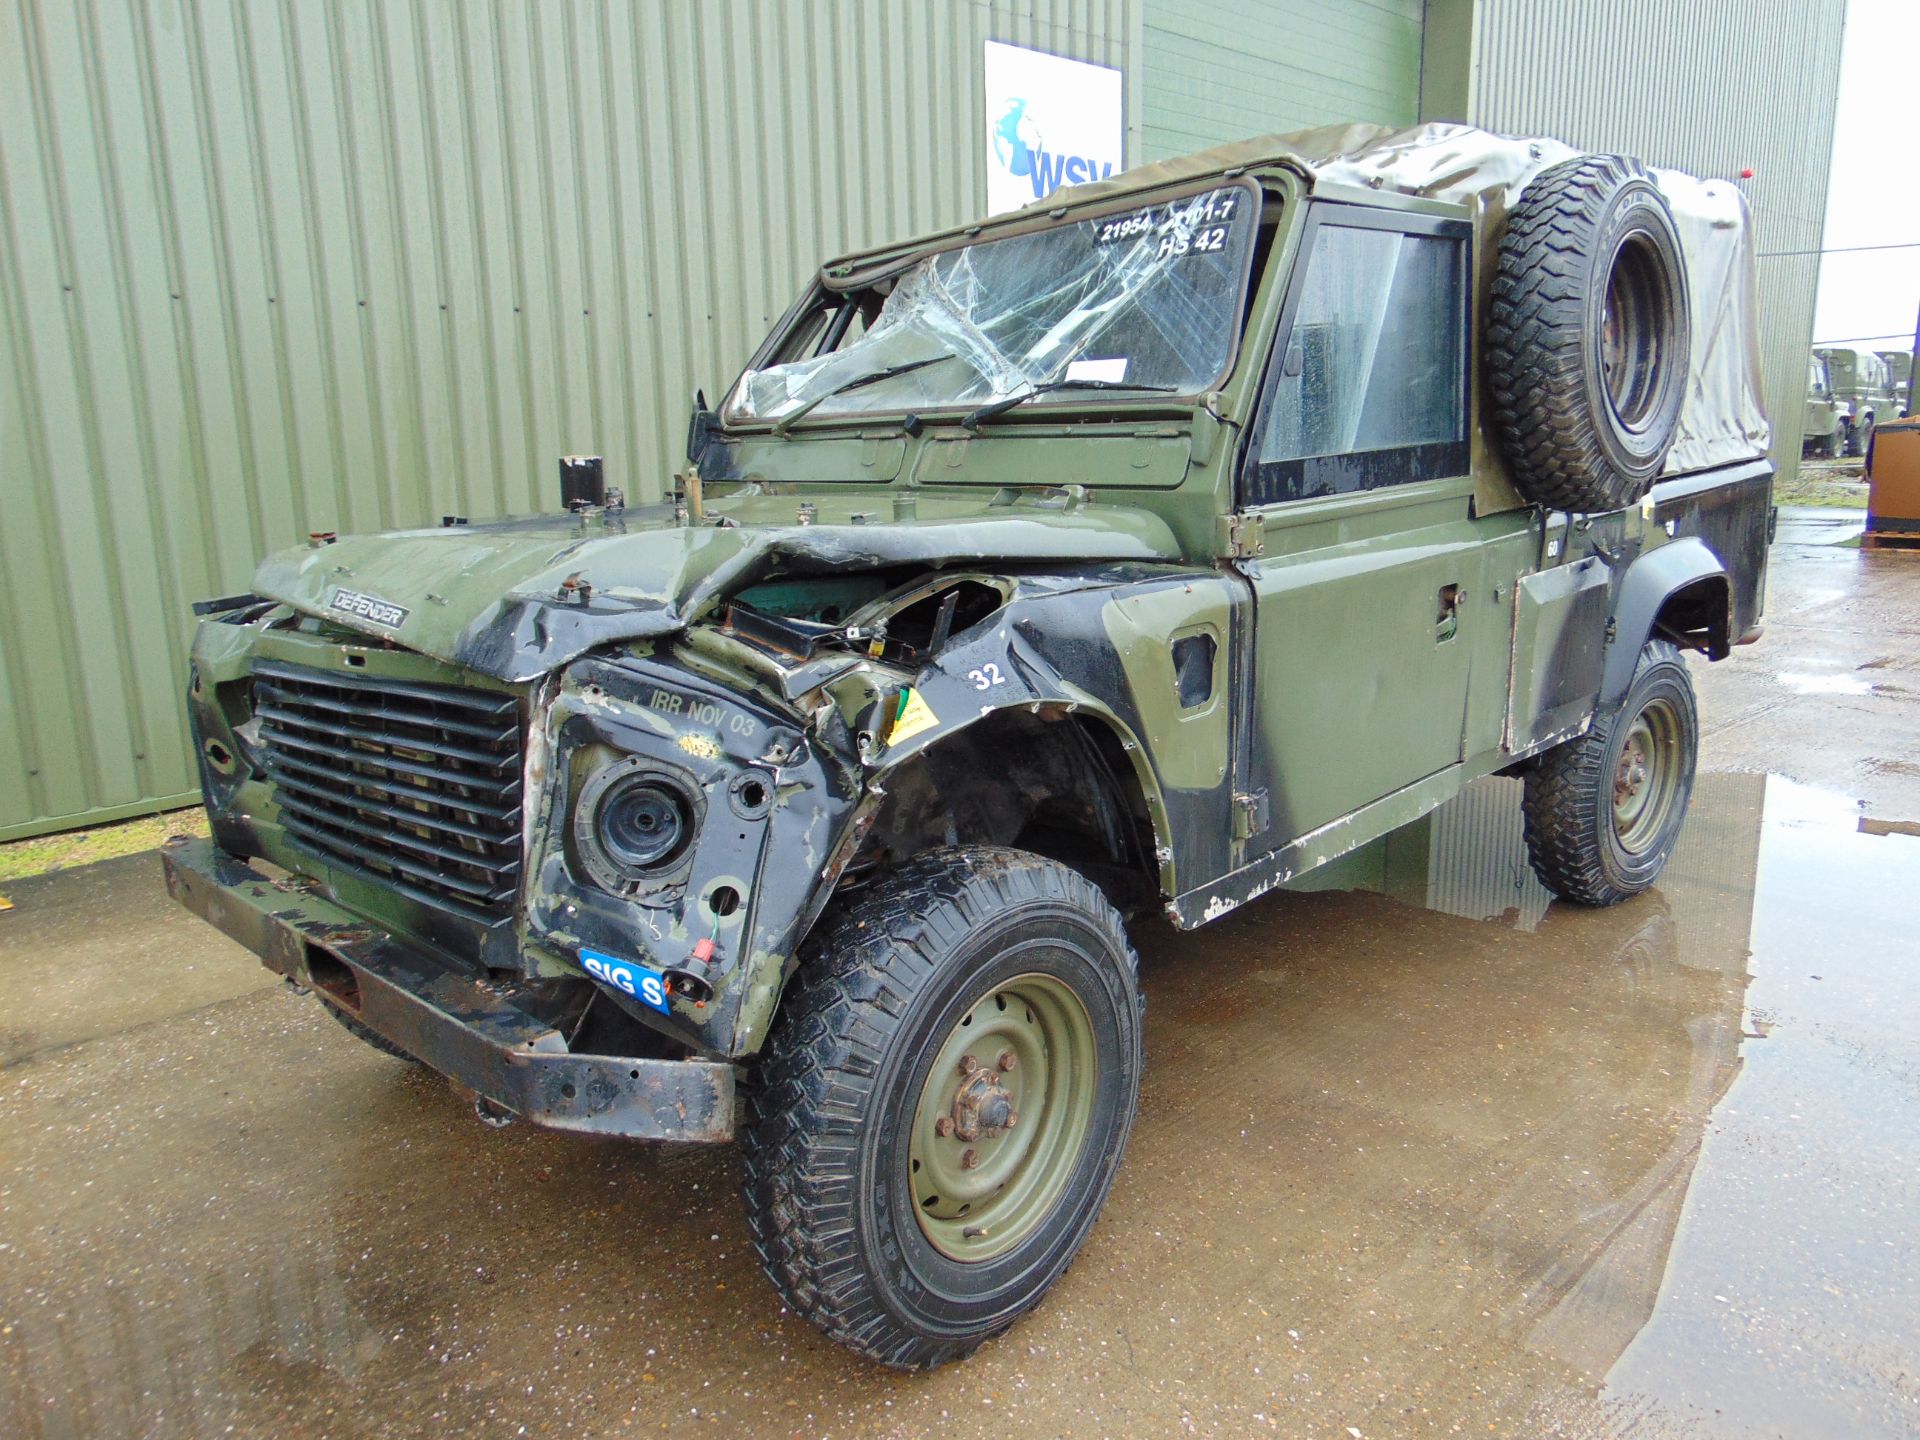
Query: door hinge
{"x": 1251, "y": 814}
{"x": 1244, "y": 538}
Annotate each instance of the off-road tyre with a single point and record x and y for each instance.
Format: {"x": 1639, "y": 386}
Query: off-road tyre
{"x": 369, "y": 1036}
{"x": 1576, "y": 839}
{"x": 834, "y": 1104}
{"x": 1588, "y": 335}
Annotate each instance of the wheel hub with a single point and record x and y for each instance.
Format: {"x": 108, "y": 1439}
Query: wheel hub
{"x": 1002, "y": 1116}
{"x": 1647, "y": 777}
{"x": 1632, "y": 772}
{"x": 982, "y": 1106}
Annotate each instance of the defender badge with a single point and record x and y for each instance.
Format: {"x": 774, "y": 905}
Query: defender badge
{"x": 370, "y": 607}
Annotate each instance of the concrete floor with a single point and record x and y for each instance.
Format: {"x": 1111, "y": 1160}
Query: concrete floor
{"x": 1481, "y": 1165}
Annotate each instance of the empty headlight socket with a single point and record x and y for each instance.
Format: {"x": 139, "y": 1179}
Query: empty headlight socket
{"x": 654, "y": 884}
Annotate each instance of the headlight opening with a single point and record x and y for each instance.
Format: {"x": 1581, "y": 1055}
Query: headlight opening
{"x": 635, "y": 825}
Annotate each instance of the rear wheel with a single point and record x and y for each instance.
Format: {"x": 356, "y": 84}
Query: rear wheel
{"x": 1604, "y": 812}
{"x": 943, "y": 1102}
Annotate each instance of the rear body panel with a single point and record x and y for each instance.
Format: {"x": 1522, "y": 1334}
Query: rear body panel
{"x": 1732, "y": 512}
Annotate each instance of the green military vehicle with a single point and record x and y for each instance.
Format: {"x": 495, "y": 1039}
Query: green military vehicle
{"x": 1825, "y": 430}
{"x": 1859, "y": 380}
{"x": 1143, "y": 550}
{"x": 1899, "y": 365}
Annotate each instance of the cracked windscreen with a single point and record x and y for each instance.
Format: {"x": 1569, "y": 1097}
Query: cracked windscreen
{"x": 1150, "y": 299}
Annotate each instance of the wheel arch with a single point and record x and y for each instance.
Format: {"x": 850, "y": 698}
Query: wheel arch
{"x": 894, "y": 822}
{"x": 1680, "y": 592}
{"x": 1062, "y": 777}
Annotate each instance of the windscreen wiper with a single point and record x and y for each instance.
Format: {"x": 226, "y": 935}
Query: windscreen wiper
{"x": 1000, "y": 407}
{"x": 785, "y": 422}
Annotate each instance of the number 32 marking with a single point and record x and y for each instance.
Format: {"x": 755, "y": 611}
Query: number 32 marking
{"x": 986, "y": 677}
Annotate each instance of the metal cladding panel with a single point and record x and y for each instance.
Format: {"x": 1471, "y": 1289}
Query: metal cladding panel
{"x": 1477, "y": 864}
{"x": 267, "y": 269}
{"x": 1712, "y": 89}
{"x": 1221, "y": 70}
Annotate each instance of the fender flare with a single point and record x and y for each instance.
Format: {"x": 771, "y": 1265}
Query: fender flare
{"x": 1649, "y": 583}
{"x": 1030, "y": 685}
{"x": 891, "y": 760}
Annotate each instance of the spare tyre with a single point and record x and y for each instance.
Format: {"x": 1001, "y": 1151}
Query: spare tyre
{"x": 1587, "y": 342}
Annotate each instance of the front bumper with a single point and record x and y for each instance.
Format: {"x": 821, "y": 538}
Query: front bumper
{"x": 460, "y": 1026}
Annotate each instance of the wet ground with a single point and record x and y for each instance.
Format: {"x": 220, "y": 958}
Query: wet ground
{"x": 1460, "y": 1161}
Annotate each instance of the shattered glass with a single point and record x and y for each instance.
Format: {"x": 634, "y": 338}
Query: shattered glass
{"x": 1151, "y": 297}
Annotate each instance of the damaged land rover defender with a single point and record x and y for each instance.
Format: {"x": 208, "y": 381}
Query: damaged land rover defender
{"x": 1146, "y": 548}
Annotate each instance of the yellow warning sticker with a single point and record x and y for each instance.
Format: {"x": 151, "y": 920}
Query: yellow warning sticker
{"x": 913, "y": 716}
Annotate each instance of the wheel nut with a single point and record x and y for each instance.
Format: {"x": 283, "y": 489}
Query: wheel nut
{"x": 969, "y": 1159}
{"x": 968, "y": 1064}
{"x": 1013, "y": 1118}
{"x": 1008, "y": 1060}
{"x": 943, "y": 1127}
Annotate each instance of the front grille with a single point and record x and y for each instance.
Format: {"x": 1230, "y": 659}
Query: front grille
{"x": 417, "y": 785}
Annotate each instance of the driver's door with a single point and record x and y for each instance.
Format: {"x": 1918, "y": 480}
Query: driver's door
{"x": 1357, "y": 475}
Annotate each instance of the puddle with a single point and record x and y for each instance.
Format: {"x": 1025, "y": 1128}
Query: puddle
{"x": 1804, "y": 684}
{"x": 1786, "y": 1305}
{"x": 1437, "y": 1153}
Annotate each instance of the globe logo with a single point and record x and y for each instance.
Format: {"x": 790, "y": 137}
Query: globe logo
{"x": 1015, "y": 138}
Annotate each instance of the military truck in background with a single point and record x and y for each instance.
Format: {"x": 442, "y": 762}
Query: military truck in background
{"x": 1899, "y": 365}
{"x": 1858, "y": 379}
{"x": 1137, "y": 552}
{"x": 1824, "y": 433}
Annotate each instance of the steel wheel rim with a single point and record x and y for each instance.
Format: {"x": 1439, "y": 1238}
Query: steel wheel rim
{"x": 979, "y": 1211}
{"x": 1646, "y": 777}
{"x": 1630, "y": 339}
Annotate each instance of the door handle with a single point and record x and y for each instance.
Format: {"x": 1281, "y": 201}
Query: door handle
{"x": 1447, "y": 622}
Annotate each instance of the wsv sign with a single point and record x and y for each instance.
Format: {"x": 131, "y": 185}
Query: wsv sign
{"x": 1050, "y": 122}
{"x": 1048, "y": 172}
{"x": 1016, "y": 144}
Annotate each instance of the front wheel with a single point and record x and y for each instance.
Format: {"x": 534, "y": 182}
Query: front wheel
{"x": 1604, "y": 812}
{"x": 943, "y": 1102}
{"x": 368, "y": 1036}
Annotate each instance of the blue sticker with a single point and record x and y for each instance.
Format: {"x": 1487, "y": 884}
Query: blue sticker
{"x": 642, "y": 982}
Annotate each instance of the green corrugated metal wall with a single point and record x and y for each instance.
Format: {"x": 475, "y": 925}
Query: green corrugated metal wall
{"x": 273, "y": 266}
{"x": 1226, "y": 69}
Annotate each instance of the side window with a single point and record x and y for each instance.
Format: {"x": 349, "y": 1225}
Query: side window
{"x": 1369, "y": 385}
